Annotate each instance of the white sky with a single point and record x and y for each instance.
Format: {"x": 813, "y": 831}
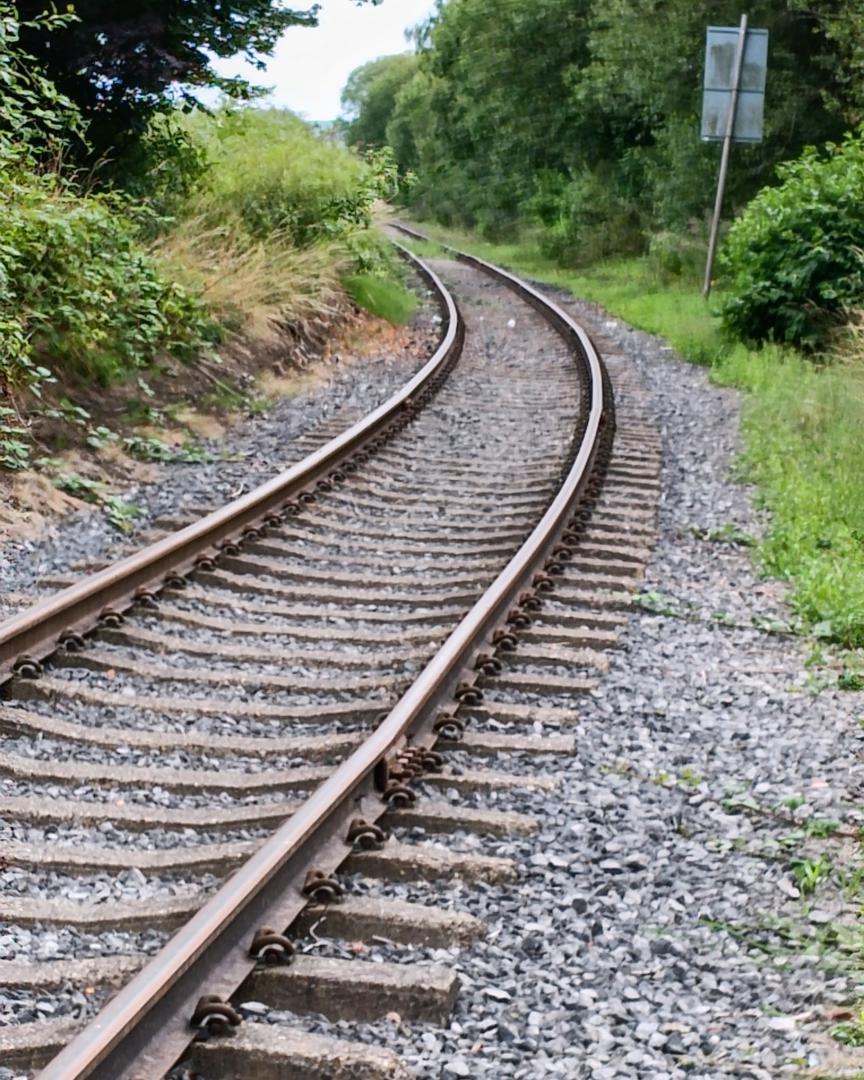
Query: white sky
{"x": 310, "y": 66}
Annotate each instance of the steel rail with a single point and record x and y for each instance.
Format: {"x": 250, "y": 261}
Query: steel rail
{"x": 144, "y": 1029}
{"x": 37, "y": 631}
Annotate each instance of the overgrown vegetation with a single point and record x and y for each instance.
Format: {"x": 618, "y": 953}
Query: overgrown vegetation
{"x": 200, "y": 227}
{"x": 78, "y": 291}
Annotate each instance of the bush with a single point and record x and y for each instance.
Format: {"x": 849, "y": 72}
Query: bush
{"x": 594, "y": 220}
{"x": 82, "y": 290}
{"x": 796, "y": 254}
{"x": 271, "y": 170}
{"x": 78, "y": 292}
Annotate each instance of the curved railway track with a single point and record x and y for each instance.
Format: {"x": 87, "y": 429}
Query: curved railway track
{"x": 440, "y": 579}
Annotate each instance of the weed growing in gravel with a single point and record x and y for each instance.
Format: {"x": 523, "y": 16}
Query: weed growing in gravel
{"x": 850, "y": 1032}
{"x": 726, "y": 534}
{"x": 120, "y": 513}
{"x": 850, "y": 680}
{"x": 656, "y": 603}
{"x": 810, "y": 873}
{"x": 791, "y": 802}
{"x": 149, "y": 448}
{"x": 821, "y": 828}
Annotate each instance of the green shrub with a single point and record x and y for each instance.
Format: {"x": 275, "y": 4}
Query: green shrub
{"x": 594, "y": 220}
{"x": 79, "y": 295}
{"x": 81, "y": 289}
{"x": 796, "y": 254}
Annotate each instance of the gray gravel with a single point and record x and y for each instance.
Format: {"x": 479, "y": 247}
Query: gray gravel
{"x": 659, "y": 929}
{"x": 43, "y": 749}
{"x": 145, "y": 796}
{"x": 63, "y": 943}
{"x": 109, "y": 835}
{"x": 129, "y": 886}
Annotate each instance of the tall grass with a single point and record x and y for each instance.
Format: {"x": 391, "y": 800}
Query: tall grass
{"x": 279, "y": 225}
{"x": 248, "y": 283}
{"x": 803, "y": 425}
{"x": 270, "y": 171}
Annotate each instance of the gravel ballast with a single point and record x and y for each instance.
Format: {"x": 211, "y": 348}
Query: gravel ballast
{"x": 659, "y": 928}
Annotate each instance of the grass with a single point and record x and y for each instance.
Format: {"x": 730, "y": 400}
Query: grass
{"x": 383, "y": 297}
{"x": 802, "y": 425}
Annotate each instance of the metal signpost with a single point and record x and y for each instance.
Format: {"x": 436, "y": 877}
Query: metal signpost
{"x": 733, "y": 100}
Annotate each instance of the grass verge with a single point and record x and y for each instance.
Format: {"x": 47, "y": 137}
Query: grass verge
{"x": 383, "y": 297}
{"x": 802, "y": 427}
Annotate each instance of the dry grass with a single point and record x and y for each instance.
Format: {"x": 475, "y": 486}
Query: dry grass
{"x": 254, "y": 287}
{"x": 849, "y": 342}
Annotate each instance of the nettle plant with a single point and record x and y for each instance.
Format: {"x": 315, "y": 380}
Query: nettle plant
{"x": 33, "y": 116}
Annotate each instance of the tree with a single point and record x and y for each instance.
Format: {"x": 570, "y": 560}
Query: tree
{"x": 369, "y": 97}
{"x": 582, "y": 116}
{"x": 123, "y": 63}
{"x": 842, "y": 23}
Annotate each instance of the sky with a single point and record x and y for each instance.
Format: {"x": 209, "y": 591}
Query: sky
{"x": 310, "y": 66}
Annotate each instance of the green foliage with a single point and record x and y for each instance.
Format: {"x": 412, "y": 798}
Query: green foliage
{"x": 382, "y": 297}
{"x": 543, "y": 113}
{"x": 122, "y": 64}
{"x": 119, "y": 512}
{"x": 271, "y": 171}
{"x": 796, "y": 255}
{"x": 850, "y": 1032}
{"x": 81, "y": 291}
{"x": 842, "y": 23}
{"x": 489, "y": 107}
{"x": 370, "y": 96}
{"x": 810, "y": 873}
{"x": 593, "y": 219}
{"x": 149, "y": 448}
{"x": 14, "y": 444}
{"x": 79, "y": 295}
{"x": 34, "y": 117}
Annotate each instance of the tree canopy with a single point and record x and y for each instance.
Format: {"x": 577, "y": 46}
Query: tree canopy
{"x": 369, "y": 97}
{"x": 122, "y": 63}
{"x": 583, "y": 115}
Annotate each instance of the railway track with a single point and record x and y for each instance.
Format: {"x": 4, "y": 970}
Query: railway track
{"x": 380, "y": 641}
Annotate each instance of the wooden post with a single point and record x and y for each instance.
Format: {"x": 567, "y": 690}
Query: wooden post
{"x": 724, "y": 157}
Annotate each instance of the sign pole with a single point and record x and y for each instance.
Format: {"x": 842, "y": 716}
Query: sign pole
{"x": 724, "y": 157}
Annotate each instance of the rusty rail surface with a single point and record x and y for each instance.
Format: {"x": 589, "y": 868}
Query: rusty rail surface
{"x": 31, "y": 635}
{"x": 145, "y": 1028}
